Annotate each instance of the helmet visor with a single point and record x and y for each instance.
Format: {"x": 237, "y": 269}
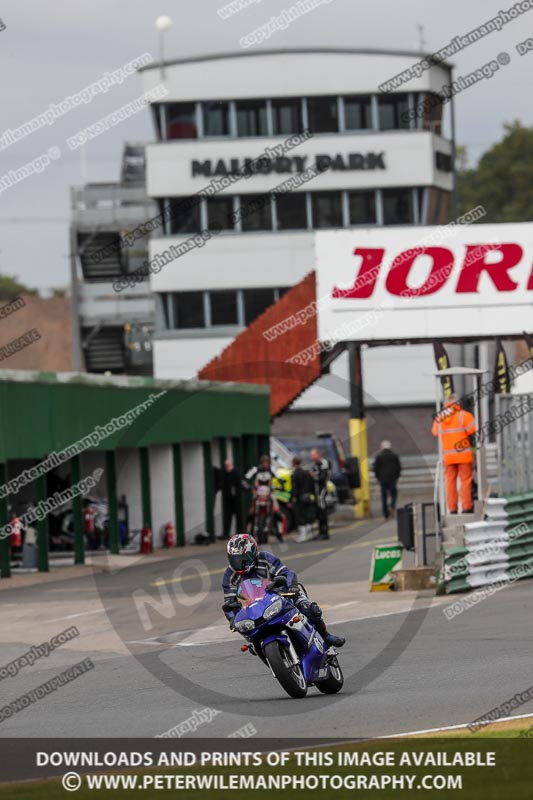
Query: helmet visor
{"x": 241, "y": 562}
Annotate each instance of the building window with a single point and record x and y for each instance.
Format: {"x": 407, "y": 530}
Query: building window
{"x": 251, "y": 118}
{"x": 256, "y": 212}
{"x": 362, "y": 208}
{"x": 216, "y": 119}
{"x": 323, "y": 114}
{"x": 165, "y": 308}
{"x": 219, "y": 213}
{"x": 189, "y": 310}
{"x": 184, "y": 215}
{"x": 181, "y": 121}
{"x": 398, "y": 207}
{"x": 287, "y": 116}
{"x": 357, "y": 113}
{"x": 256, "y": 301}
{"x": 392, "y": 109}
{"x": 291, "y": 211}
{"x": 429, "y": 108}
{"x": 224, "y": 308}
{"x": 157, "y": 114}
{"x": 443, "y": 161}
{"x": 327, "y": 210}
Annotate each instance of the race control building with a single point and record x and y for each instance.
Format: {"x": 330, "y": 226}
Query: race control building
{"x": 359, "y": 157}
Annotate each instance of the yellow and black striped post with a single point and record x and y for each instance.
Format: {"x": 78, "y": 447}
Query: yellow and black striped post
{"x": 358, "y": 438}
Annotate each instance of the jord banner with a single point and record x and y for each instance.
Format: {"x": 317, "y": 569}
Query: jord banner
{"x": 425, "y": 282}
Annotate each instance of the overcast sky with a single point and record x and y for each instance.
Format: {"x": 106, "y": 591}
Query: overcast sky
{"x": 50, "y": 50}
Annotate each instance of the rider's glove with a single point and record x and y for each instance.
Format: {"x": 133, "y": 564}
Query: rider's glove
{"x": 277, "y": 585}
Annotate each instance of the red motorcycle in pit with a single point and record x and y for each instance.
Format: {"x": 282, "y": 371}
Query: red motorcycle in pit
{"x": 262, "y": 520}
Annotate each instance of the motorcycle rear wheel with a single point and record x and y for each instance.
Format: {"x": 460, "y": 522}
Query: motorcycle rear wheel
{"x": 290, "y": 676}
{"x": 334, "y": 682}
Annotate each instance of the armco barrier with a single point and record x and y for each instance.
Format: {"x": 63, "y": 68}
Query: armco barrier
{"x": 497, "y": 549}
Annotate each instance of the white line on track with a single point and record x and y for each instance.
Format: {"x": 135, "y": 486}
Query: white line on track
{"x": 337, "y": 622}
{"x": 81, "y": 614}
{"x": 150, "y": 641}
{"x": 145, "y": 641}
{"x": 451, "y": 727}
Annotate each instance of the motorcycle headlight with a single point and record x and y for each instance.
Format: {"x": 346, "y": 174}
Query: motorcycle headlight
{"x": 245, "y": 625}
{"x": 273, "y": 609}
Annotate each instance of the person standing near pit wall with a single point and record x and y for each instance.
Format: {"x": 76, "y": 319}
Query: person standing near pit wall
{"x": 387, "y": 469}
{"x": 455, "y": 426}
{"x": 320, "y": 472}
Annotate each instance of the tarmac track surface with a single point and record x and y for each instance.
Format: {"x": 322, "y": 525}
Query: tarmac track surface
{"x": 406, "y": 666}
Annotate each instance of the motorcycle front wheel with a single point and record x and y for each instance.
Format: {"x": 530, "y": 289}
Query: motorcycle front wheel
{"x": 262, "y": 531}
{"x": 289, "y": 675}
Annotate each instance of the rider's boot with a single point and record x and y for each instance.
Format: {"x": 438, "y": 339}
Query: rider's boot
{"x": 334, "y": 641}
{"x": 302, "y": 536}
{"x": 329, "y": 638}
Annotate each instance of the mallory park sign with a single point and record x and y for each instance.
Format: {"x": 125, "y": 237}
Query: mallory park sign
{"x": 295, "y": 164}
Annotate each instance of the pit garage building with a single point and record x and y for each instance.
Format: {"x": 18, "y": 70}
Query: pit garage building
{"x": 157, "y": 443}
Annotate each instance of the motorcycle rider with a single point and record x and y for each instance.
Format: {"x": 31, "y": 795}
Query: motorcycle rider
{"x": 247, "y": 561}
{"x": 263, "y": 475}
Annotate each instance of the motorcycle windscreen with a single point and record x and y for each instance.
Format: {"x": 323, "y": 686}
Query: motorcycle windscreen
{"x": 251, "y": 589}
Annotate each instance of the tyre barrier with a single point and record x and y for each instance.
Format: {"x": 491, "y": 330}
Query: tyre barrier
{"x": 499, "y": 549}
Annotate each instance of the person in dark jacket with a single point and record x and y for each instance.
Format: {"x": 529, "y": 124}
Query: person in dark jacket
{"x": 231, "y": 498}
{"x": 320, "y": 471}
{"x": 387, "y": 469}
{"x": 302, "y": 500}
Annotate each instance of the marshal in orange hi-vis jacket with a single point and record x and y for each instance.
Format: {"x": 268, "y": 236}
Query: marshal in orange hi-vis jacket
{"x": 454, "y": 425}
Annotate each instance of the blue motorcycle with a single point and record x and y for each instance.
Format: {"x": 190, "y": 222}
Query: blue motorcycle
{"x": 284, "y": 639}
